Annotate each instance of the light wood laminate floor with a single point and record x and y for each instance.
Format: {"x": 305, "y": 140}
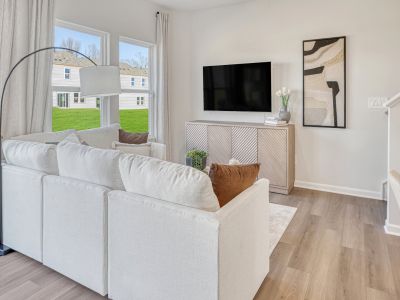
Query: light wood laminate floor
{"x": 334, "y": 248}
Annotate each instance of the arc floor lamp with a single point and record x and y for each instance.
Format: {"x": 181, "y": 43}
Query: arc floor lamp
{"x": 95, "y": 81}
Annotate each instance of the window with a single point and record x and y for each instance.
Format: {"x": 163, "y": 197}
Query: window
{"x": 67, "y": 73}
{"x": 63, "y": 100}
{"x": 135, "y": 60}
{"x": 81, "y": 113}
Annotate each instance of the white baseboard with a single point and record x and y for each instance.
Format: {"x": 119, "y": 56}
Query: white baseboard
{"x": 392, "y": 229}
{"x": 338, "y": 189}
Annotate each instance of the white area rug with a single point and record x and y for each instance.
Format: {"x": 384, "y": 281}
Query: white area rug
{"x": 279, "y": 219}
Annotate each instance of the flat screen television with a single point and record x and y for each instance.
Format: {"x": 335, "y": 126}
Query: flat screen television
{"x": 240, "y": 87}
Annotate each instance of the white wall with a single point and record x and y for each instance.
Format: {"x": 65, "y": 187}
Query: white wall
{"x": 354, "y": 158}
{"x": 180, "y": 76}
{"x": 128, "y": 18}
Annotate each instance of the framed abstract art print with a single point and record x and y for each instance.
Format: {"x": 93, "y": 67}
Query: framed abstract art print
{"x": 324, "y": 82}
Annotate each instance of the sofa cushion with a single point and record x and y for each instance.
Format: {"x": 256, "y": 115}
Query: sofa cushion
{"x": 100, "y": 137}
{"x": 31, "y": 155}
{"x": 45, "y": 137}
{"x": 155, "y": 150}
{"x": 99, "y": 166}
{"x": 74, "y": 138}
{"x": 230, "y": 180}
{"x": 139, "y": 149}
{"x": 132, "y": 137}
{"x": 167, "y": 181}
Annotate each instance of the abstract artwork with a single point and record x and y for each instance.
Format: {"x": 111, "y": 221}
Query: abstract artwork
{"x": 324, "y": 82}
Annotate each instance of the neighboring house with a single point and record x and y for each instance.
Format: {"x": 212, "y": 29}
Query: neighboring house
{"x": 65, "y": 80}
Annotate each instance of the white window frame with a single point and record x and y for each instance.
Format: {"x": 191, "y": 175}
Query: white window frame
{"x": 133, "y": 82}
{"x": 151, "y": 79}
{"x": 77, "y": 97}
{"x": 104, "y": 60}
{"x": 67, "y": 73}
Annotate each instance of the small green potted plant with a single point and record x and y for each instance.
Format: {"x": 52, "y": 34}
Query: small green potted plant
{"x": 196, "y": 159}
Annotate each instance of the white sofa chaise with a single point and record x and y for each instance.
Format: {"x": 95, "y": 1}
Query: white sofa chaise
{"x": 86, "y": 221}
{"x": 174, "y": 242}
{"x": 161, "y": 250}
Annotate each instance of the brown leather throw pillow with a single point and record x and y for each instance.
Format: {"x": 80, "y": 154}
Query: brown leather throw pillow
{"x": 132, "y": 138}
{"x": 230, "y": 180}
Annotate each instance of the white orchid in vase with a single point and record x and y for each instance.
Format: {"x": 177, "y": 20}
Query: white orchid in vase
{"x": 284, "y": 94}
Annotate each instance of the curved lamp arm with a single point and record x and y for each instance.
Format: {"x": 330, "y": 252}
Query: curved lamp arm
{"x": 25, "y": 57}
{"x": 4, "y": 249}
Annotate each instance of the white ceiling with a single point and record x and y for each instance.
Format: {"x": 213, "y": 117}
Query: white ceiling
{"x": 194, "y": 4}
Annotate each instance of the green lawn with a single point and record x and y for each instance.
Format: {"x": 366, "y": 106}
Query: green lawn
{"x": 134, "y": 120}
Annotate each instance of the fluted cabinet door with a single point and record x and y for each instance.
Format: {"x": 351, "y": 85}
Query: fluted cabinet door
{"x": 244, "y": 144}
{"x": 219, "y": 144}
{"x": 196, "y": 137}
{"x": 272, "y": 154}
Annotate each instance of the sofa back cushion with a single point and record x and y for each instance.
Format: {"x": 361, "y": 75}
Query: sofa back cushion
{"x": 138, "y": 149}
{"x": 31, "y": 155}
{"x": 167, "y": 181}
{"x": 45, "y": 137}
{"x": 100, "y": 137}
{"x": 155, "y": 150}
{"x": 74, "y": 138}
{"x": 99, "y": 166}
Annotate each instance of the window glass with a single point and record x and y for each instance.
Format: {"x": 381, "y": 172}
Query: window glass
{"x": 67, "y": 73}
{"x": 70, "y": 111}
{"x": 135, "y": 74}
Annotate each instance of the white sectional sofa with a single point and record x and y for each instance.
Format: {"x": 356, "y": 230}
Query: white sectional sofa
{"x": 130, "y": 226}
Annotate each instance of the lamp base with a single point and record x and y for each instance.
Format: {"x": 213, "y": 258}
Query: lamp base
{"x": 4, "y": 250}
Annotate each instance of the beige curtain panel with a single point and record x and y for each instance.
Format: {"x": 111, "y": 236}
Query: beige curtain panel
{"x": 162, "y": 107}
{"x": 26, "y": 26}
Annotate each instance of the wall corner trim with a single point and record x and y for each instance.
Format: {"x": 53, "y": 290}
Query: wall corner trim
{"x": 392, "y": 101}
{"x": 392, "y": 229}
{"x": 377, "y": 195}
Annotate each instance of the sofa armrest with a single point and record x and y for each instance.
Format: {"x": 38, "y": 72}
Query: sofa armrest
{"x": 187, "y": 251}
{"x": 158, "y": 151}
{"x": 244, "y": 242}
{"x": 154, "y": 241}
{"x": 22, "y": 210}
{"x": 75, "y": 230}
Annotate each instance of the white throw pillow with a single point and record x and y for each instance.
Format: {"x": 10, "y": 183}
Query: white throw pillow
{"x": 31, "y": 155}
{"x": 167, "y": 181}
{"x": 100, "y": 137}
{"x": 139, "y": 149}
{"x": 90, "y": 164}
{"x": 45, "y": 137}
{"x": 74, "y": 138}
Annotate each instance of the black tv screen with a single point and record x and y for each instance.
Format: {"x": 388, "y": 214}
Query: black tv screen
{"x": 242, "y": 87}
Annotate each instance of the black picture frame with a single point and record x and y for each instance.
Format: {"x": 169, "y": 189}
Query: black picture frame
{"x": 344, "y": 85}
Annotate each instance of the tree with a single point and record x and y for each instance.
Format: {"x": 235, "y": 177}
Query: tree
{"x": 142, "y": 60}
{"x": 71, "y": 43}
{"x": 93, "y": 52}
{"x": 139, "y": 61}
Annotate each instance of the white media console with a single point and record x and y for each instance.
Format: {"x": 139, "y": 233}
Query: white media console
{"x": 272, "y": 147}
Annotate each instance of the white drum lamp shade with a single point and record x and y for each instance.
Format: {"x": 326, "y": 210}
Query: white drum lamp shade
{"x": 100, "y": 81}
